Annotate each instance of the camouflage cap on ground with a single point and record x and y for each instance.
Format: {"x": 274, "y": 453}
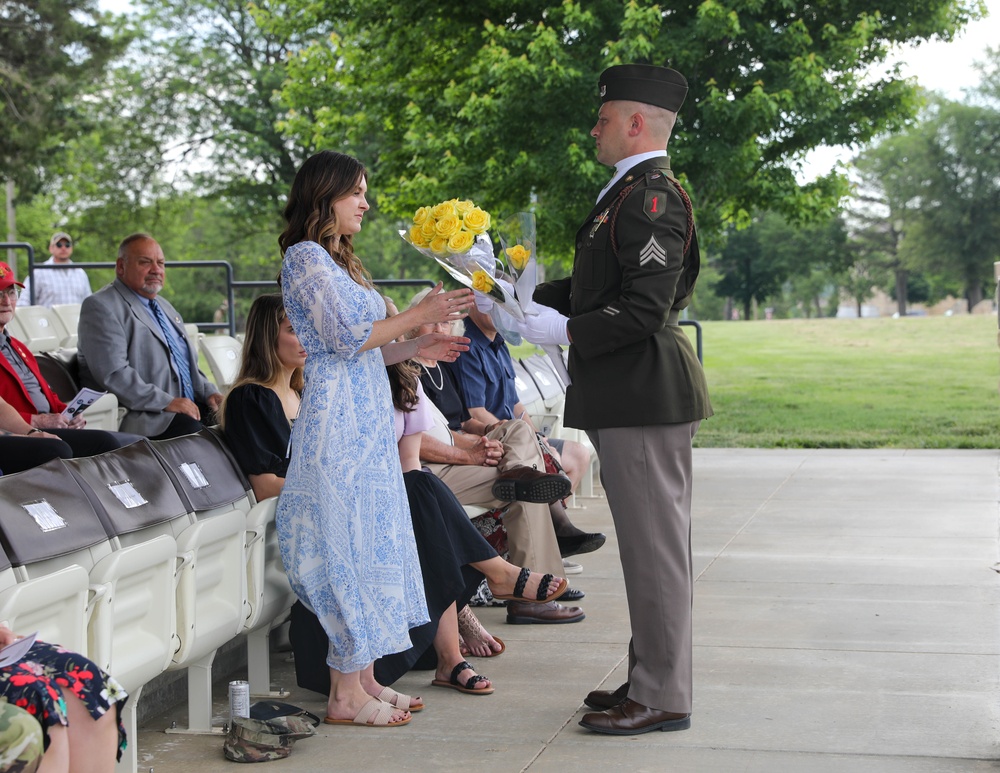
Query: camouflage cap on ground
{"x": 255, "y": 740}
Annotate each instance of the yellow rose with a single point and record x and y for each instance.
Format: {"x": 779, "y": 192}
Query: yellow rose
{"x": 518, "y": 256}
{"x": 464, "y": 207}
{"x": 461, "y": 242}
{"x": 417, "y": 237}
{"x": 447, "y": 226}
{"x": 477, "y": 221}
{"x": 427, "y": 229}
{"x": 482, "y": 281}
{"x": 439, "y": 245}
{"x": 443, "y": 209}
{"x": 421, "y": 215}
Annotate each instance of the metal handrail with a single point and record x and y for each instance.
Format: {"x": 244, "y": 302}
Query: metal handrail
{"x": 697, "y": 328}
{"x": 232, "y": 284}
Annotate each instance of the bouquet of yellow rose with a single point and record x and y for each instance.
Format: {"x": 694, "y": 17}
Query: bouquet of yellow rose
{"x": 455, "y": 234}
{"x": 518, "y": 254}
{"x": 519, "y": 249}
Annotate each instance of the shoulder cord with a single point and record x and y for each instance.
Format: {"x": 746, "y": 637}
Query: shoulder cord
{"x": 687, "y": 207}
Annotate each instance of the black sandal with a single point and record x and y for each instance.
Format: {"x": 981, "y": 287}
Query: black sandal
{"x": 469, "y": 687}
{"x": 541, "y": 597}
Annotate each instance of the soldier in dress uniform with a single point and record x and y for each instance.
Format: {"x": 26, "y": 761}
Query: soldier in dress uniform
{"x": 638, "y": 388}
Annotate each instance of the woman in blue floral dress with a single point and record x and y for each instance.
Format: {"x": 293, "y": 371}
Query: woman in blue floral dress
{"x": 78, "y": 705}
{"x": 343, "y": 521}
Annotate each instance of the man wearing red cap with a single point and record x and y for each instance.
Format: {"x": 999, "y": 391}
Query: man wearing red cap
{"x": 638, "y": 387}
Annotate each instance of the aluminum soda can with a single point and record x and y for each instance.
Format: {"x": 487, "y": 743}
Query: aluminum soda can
{"x": 239, "y": 699}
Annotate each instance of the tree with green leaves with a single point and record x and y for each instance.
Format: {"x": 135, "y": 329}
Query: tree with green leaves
{"x": 49, "y": 50}
{"x": 494, "y": 100}
{"x": 773, "y": 256}
{"x": 931, "y": 195}
{"x": 956, "y": 230}
{"x": 882, "y": 209}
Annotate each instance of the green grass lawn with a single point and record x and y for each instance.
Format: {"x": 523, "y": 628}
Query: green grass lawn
{"x": 916, "y": 382}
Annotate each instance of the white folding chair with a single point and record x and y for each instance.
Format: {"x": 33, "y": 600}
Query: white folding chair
{"x": 142, "y": 499}
{"x": 69, "y": 315}
{"x": 55, "y": 529}
{"x": 41, "y": 330}
{"x": 268, "y": 592}
{"x": 223, "y": 354}
{"x": 54, "y": 605}
{"x": 550, "y": 390}
{"x": 532, "y": 400}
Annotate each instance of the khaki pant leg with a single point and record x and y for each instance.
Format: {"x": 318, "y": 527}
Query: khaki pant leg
{"x": 520, "y": 446}
{"x": 531, "y": 538}
{"x": 646, "y": 473}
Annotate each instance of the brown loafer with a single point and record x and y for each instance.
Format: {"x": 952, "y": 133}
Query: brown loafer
{"x": 631, "y": 718}
{"x": 606, "y": 699}
{"x": 520, "y": 613}
{"x": 526, "y": 484}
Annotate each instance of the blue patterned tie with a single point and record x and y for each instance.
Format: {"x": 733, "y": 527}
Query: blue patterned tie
{"x": 178, "y": 354}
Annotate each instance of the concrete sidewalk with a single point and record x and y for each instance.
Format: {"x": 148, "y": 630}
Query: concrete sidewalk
{"x": 845, "y": 620}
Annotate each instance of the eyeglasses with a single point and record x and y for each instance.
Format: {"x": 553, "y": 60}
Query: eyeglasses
{"x": 64, "y": 244}
{"x": 11, "y": 292}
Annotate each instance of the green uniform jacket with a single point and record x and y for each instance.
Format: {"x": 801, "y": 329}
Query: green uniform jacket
{"x": 630, "y": 362}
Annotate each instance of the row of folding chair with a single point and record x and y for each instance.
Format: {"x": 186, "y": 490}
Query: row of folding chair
{"x": 44, "y": 329}
{"x": 148, "y": 558}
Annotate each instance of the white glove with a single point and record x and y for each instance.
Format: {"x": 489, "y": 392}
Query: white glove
{"x": 544, "y": 325}
{"x": 483, "y": 302}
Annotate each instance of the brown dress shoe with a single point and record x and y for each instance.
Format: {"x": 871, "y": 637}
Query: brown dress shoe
{"x": 520, "y": 613}
{"x": 606, "y": 699}
{"x": 526, "y": 484}
{"x": 631, "y": 718}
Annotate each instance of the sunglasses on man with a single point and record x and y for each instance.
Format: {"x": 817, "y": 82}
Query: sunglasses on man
{"x": 63, "y": 243}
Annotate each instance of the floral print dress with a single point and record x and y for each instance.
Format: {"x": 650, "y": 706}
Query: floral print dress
{"x": 342, "y": 519}
{"x": 36, "y": 684}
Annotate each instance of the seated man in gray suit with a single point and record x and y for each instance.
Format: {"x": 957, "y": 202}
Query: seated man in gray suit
{"x": 133, "y": 345}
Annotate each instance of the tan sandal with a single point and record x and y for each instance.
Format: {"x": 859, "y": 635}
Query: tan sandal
{"x": 399, "y": 700}
{"x": 374, "y": 713}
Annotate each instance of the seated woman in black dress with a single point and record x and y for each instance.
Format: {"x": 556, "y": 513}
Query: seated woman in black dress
{"x": 257, "y": 417}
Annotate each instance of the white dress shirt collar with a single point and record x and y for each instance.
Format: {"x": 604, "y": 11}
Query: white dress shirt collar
{"x": 627, "y": 163}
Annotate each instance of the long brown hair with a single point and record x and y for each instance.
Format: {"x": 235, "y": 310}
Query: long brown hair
{"x": 323, "y": 179}
{"x": 403, "y": 379}
{"x": 260, "y": 364}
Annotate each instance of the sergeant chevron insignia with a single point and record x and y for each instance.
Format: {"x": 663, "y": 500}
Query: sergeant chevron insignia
{"x": 611, "y": 311}
{"x": 652, "y": 251}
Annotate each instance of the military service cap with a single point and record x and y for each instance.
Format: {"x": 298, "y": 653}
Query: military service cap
{"x": 645, "y": 83}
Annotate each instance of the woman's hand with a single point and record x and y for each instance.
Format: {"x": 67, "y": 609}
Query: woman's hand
{"x": 439, "y": 306}
{"x": 7, "y": 636}
{"x": 54, "y": 421}
{"x": 438, "y": 346}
